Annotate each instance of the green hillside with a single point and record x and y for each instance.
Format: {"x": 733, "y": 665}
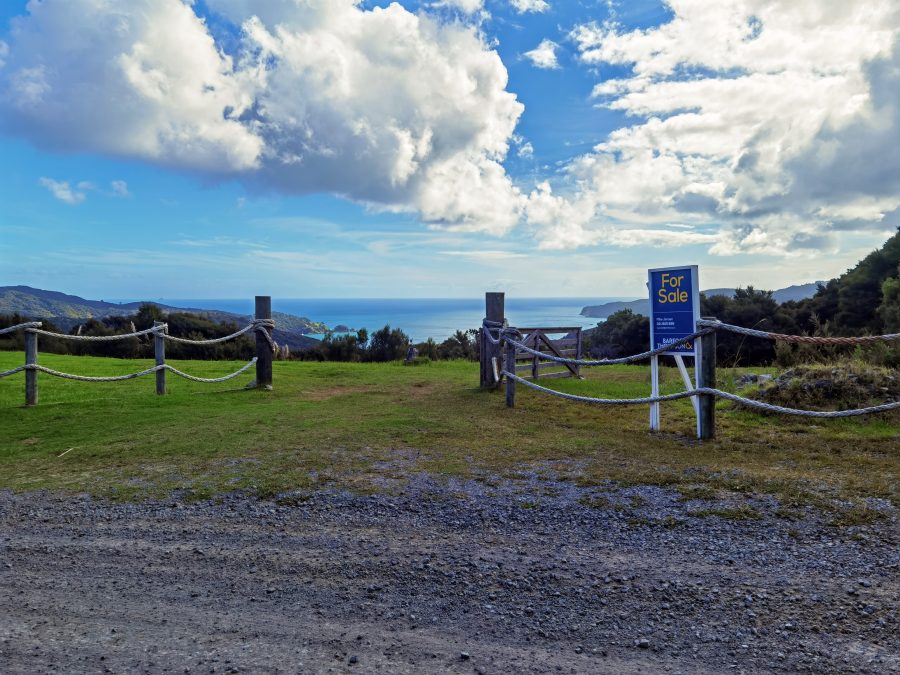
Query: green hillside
{"x": 67, "y": 311}
{"x": 866, "y": 298}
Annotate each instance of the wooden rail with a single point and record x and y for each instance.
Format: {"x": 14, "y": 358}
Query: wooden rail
{"x": 539, "y": 339}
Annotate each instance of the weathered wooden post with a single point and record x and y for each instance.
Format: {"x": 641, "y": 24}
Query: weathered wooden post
{"x": 31, "y": 375}
{"x": 263, "y": 348}
{"x": 706, "y": 377}
{"x": 494, "y": 313}
{"x": 579, "y": 351}
{"x": 510, "y": 382}
{"x": 159, "y": 351}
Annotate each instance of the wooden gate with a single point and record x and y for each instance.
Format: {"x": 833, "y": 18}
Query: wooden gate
{"x": 568, "y": 346}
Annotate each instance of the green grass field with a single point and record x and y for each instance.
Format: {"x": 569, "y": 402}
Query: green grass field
{"x": 369, "y": 426}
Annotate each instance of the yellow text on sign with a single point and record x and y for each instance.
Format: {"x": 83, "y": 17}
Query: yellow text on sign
{"x": 672, "y": 290}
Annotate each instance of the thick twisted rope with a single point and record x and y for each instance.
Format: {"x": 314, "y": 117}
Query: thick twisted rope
{"x": 259, "y": 325}
{"x": 129, "y": 376}
{"x": 97, "y": 338}
{"x": 225, "y": 378}
{"x": 487, "y": 326}
{"x": 603, "y": 362}
{"x": 262, "y": 326}
{"x": 768, "y": 407}
{"x": 19, "y": 326}
{"x": 806, "y": 339}
{"x": 87, "y": 378}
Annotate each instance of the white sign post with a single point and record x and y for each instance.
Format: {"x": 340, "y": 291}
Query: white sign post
{"x": 674, "y": 313}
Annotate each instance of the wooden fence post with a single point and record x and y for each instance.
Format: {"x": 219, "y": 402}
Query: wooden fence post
{"x": 494, "y": 312}
{"x": 263, "y": 349}
{"x": 706, "y": 376}
{"x": 510, "y": 383}
{"x": 159, "y": 351}
{"x": 579, "y": 351}
{"x": 31, "y": 376}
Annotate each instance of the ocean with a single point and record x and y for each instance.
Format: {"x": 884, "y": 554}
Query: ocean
{"x": 436, "y": 318}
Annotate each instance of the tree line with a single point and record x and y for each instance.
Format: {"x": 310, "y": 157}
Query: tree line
{"x": 385, "y": 344}
{"x": 391, "y": 344}
{"x": 182, "y": 324}
{"x": 865, "y": 300}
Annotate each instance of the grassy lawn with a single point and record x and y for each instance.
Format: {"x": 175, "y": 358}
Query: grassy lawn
{"x": 369, "y": 426}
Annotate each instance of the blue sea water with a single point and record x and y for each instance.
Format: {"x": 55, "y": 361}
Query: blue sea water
{"x": 419, "y": 318}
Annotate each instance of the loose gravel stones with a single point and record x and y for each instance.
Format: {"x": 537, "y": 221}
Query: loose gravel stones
{"x": 452, "y": 576}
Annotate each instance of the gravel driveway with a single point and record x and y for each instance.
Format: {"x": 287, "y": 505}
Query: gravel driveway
{"x": 449, "y": 577}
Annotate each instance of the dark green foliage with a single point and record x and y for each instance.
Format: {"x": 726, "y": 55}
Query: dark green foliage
{"x": 460, "y": 345}
{"x": 622, "y": 334}
{"x": 860, "y": 289}
{"x": 16, "y": 341}
{"x": 851, "y": 304}
{"x": 889, "y": 309}
{"x": 428, "y": 349}
{"x": 863, "y": 301}
{"x": 387, "y": 345}
{"x": 181, "y": 324}
{"x": 749, "y": 308}
{"x": 348, "y": 347}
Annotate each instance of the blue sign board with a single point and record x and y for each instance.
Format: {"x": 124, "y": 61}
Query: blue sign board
{"x": 674, "y": 306}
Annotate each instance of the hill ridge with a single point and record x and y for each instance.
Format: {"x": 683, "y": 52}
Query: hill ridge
{"x": 642, "y": 305}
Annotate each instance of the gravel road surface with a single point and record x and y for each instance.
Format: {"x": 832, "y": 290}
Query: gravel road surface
{"x": 448, "y": 577}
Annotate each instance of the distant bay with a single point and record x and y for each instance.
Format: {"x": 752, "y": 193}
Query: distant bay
{"x": 437, "y": 318}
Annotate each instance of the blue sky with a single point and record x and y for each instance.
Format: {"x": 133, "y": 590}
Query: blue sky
{"x": 229, "y": 148}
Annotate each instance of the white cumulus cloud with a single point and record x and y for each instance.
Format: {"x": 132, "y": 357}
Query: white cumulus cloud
{"x": 544, "y": 55}
{"x": 142, "y": 79}
{"x": 522, "y": 6}
{"x": 763, "y": 118}
{"x": 465, "y": 6}
{"x": 399, "y": 110}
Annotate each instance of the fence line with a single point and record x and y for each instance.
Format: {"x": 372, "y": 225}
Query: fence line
{"x": 262, "y": 325}
{"x": 501, "y": 337}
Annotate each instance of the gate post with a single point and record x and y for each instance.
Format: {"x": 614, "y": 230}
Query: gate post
{"x": 706, "y": 377}
{"x": 263, "y": 349}
{"x": 159, "y": 351}
{"x": 494, "y": 312}
{"x": 31, "y": 375}
{"x": 510, "y": 383}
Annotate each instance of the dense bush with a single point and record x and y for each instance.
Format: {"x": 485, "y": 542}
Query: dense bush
{"x": 181, "y": 324}
{"x": 863, "y": 301}
{"x": 622, "y": 334}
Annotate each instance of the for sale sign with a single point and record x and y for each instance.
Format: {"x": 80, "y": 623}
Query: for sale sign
{"x": 674, "y": 307}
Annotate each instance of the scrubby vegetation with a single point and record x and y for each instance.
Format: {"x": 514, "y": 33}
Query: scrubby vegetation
{"x": 863, "y": 301}
{"x": 848, "y": 384}
{"x": 391, "y": 344}
{"x": 385, "y": 344}
{"x": 183, "y": 324}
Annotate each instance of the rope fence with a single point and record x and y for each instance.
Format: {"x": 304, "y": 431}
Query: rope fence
{"x": 502, "y": 341}
{"x": 262, "y": 326}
